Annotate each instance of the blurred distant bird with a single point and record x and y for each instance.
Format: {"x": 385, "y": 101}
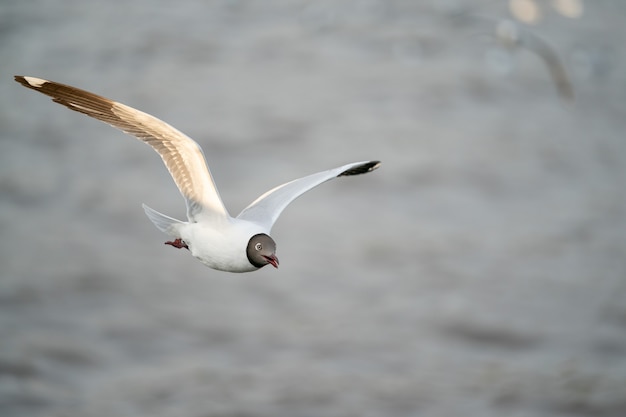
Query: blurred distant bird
{"x": 513, "y": 36}
{"x": 239, "y": 244}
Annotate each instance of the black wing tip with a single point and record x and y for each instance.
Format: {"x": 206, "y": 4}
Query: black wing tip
{"x": 22, "y": 80}
{"x": 363, "y": 168}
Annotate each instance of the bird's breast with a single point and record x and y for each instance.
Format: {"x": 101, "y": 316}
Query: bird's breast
{"x": 221, "y": 248}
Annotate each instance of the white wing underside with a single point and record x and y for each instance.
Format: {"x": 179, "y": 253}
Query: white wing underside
{"x": 266, "y": 209}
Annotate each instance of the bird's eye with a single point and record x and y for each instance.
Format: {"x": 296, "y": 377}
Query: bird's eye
{"x": 258, "y": 246}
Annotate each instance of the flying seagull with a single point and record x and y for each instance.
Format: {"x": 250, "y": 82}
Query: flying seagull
{"x": 239, "y": 244}
{"x": 513, "y": 37}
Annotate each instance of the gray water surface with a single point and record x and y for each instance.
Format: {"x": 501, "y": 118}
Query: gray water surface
{"x": 481, "y": 271}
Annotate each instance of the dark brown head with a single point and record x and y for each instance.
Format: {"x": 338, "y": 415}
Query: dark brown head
{"x": 261, "y": 251}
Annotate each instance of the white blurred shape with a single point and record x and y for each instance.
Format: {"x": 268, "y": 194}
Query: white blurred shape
{"x": 507, "y": 33}
{"x": 569, "y": 8}
{"x": 526, "y": 11}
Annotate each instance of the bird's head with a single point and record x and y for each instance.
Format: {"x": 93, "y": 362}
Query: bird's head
{"x": 261, "y": 251}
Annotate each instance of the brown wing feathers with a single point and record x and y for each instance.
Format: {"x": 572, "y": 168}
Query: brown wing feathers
{"x": 181, "y": 155}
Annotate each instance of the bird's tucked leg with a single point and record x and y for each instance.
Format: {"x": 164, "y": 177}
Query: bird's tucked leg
{"x": 178, "y": 243}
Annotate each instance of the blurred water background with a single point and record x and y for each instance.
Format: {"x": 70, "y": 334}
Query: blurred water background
{"x": 481, "y": 271}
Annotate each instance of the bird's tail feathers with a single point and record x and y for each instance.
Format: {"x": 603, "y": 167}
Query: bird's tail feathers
{"x": 161, "y": 221}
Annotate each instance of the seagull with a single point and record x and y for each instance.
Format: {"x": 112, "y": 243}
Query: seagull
{"x": 514, "y": 37}
{"x": 221, "y": 242}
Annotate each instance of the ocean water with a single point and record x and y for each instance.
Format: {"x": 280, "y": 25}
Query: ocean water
{"x": 481, "y": 271}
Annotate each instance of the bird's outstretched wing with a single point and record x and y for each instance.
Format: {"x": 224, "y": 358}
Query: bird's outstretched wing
{"x": 182, "y": 156}
{"x": 553, "y": 63}
{"x": 266, "y": 209}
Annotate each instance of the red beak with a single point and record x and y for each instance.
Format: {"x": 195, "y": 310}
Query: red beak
{"x": 273, "y": 260}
